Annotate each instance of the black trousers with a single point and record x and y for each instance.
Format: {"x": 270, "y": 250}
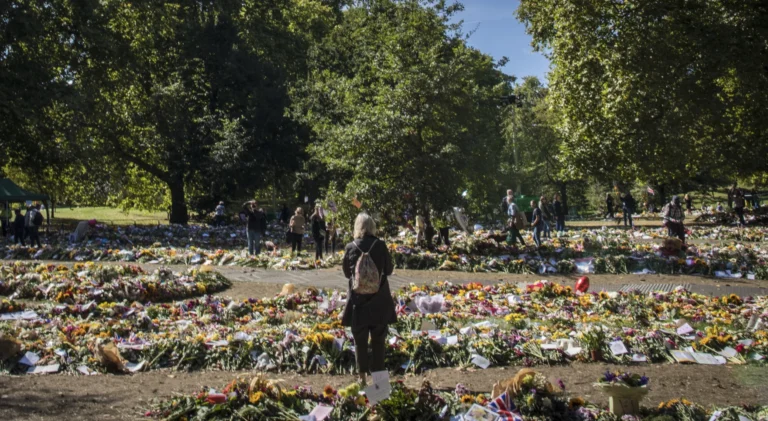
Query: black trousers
{"x": 442, "y": 237}
{"x": 319, "y": 242}
{"x": 740, "y": 213}
{"x": 332, "y": 244}
{"x": 676, "y": 230}
{"x": 378, "y": 336}
{"x": 296, "y": 241}
{"x": 34, "y": 236}
{"x": 19, "y": 237}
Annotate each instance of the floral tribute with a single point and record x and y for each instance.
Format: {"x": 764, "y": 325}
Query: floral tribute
{"x": 444, "y": 325}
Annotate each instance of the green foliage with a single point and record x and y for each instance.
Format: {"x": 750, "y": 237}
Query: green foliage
{"x": 403, "y": 110}
{"x": 658, "y": 90}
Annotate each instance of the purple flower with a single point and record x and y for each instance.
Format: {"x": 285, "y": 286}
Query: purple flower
{"x": 643, "y": 381}
{"x": 561, "y": 384}
{"x": 609, "y": 377}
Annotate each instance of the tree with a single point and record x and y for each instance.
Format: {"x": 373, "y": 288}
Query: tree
{"x": 403, "y": 111}
{"x": 193, "y": 94}
{"x": 658, "y": 90}
{"x": 530, "y": 155}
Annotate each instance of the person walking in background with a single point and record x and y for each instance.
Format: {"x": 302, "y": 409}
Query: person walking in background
{"x": 318, "y": 231}
{"x": 628, "y": 208}
{"x": 537, "y": 223}
{"x": 443, "y": 228}
{"x": 673, "y": 219}
{"x": 732, "y": 195}
{"x": 256, "y": 226}
{"x": 755, "y": 199}
{"x": 18, "y": 228}
{"x": 515, "y": 223}
{"x": 559, "y": 213}
{"x": 369, "y": 310}
{"x": 219, "y": 220}
{"x": 609, "y": 206}
{"x": 719, "y": 207}
{"x": 5, "y": 218}
{"x": 331, "y": 236}
{"x": 688, "y": 203}
{"x": 547, "y": 216}
{"x": 296, "y": 226}
{"x": 429, "y": 231}
{"x": 738, "y": 205}
{"x": 506, "y": 201}
{"x": 420, "y": 228}
{"x": 35, "y": 221}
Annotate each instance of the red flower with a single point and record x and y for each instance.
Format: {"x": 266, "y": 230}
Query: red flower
{"x": 740, "y": 348}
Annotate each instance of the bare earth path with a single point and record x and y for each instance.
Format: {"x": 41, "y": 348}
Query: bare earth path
{"x": 111, "y": 397}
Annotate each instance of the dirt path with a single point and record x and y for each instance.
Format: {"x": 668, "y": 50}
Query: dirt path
{"x": 110, "y": 397}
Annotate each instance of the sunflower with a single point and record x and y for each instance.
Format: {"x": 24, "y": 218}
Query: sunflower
{"x": 467, "y": 399}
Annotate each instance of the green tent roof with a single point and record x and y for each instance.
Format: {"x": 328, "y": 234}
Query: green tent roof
{"x": 10, "y": 192}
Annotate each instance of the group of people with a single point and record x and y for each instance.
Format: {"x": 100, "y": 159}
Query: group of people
{"x": 324, "y": 233}
{"x": 24, "y": 226}
{"x": 543, "y": 216}
{"x": 628, "y": 207}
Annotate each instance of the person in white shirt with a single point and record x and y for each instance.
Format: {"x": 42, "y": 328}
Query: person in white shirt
{"x": 220, "y": 214}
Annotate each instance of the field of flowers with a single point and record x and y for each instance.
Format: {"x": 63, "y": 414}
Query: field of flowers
{"x": 727, "y": 252}
{"x": 443, "y": 325}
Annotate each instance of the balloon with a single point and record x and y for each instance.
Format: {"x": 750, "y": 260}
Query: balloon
{"x": 582, "y": 285}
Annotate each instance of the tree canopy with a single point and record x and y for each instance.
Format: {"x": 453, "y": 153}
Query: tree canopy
{"x": 657, "y": 90}
{"x": 403, "y": 111}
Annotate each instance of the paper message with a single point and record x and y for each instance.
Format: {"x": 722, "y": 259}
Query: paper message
{"x": 618, "y": 348}
{"x": 44, "y": 369}
{"x": 728, "y": 352}
{"x": 452, "y": 340}
{"x": 30, "y": 359}
{"x": 704, "y": 358}
{"x": 478, "y": 413}
{"x": 684, "y": 329}
{"x": 321, "y": 412}
{"x": 380, "y": 389}
{"x": 639, "y": 358}
{"x": 682, "y": 356}
{"x": 480, "y": 361}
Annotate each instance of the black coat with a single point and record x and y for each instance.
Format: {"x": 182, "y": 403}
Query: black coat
{"x": 369, "y": 309}
{"x": 257, "y": 221}
{"x": 18, "y": 224}
{"x": 318, "y": 226}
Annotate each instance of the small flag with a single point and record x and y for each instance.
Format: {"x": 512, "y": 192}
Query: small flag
{"x": 401, "y": 308}
{"x": 651, "y": 192}
{"x": 503, "y": 406}
{"x": 356, "y": 203}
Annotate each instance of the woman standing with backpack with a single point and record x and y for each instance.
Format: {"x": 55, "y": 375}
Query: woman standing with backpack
{"x": 370, "y": 306}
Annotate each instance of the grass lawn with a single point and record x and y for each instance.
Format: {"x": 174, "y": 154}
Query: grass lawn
{"x": 109, "y": 215}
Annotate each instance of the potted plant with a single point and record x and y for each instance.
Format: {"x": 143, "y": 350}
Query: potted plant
{"x": 593, "y": 341}
{"x": 624, "y": 391}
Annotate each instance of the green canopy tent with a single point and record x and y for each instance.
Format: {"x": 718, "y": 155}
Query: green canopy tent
{"x": 12, "y": 193}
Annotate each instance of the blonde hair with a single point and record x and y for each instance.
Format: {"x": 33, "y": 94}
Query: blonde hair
{"x": 364, "y": 224}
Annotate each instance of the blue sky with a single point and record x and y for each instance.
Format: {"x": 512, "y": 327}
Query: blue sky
{"x": 497, "y": 32}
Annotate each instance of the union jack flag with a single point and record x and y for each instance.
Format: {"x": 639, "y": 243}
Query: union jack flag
{"x": 402, "y": 309}
{"x": 503, "y": 406}
{"x": 651, "y": 192}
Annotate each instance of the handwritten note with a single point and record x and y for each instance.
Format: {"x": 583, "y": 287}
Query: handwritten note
{"x": 684, "y": 329}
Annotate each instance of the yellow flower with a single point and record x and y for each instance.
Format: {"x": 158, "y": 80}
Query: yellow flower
{"x": 255, "y": 397}
{"x": 467, "y": 399}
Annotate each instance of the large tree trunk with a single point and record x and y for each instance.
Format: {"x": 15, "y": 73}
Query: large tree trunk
{"x": 179, "y": 213}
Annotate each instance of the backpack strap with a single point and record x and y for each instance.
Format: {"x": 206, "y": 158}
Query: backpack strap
{"x": 369, "y": 250}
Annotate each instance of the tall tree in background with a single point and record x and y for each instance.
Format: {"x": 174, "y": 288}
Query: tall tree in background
{"x": 531, "y": 156}
{"x": 192, "y": 95}
{"x": 659, "y": 90}
{"x": 403, "y": 110}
